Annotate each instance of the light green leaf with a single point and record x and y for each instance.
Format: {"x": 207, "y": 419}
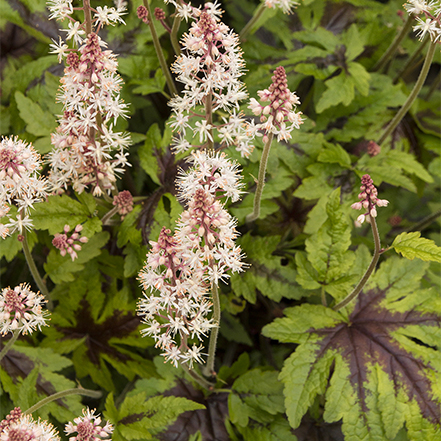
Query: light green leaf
{"x": 340, "y": 89}
{"x": 335, "y": 153}
{"x": 411, "y": 245}
{"x": 39, "y": 122}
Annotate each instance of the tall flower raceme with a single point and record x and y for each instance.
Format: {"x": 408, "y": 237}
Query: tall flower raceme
{"x": 21, "y": 310}
{"x": 20, "y": 183}
{"x": 428, "y": 17}
{"x": 278, "y": 116}
{"x": 210, "y": 68}
{"x": 182, "y": 268}
{"x": 87, "y": 152}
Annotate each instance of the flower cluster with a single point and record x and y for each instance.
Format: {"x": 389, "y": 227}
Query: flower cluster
{"x": 20, "y": 183}
{"x": 181, "y": 268}
{"x": 431, "y": 21}
{"x": 278, "y": 116}
{"x": 70, "y": 244}
{"x": 86, "y": 150}
{"x": 124, "y": 203}
{"x": 209, "y": 67}
{"x": 368, "y": 200}
{"x": 17, "y": 427}
{"x": 285, "y": 5}
{"x": 88, "y": 428}
{"x": 21, "y": 309}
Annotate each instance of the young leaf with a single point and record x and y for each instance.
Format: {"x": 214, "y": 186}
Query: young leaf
{"x": 411, "y": 245}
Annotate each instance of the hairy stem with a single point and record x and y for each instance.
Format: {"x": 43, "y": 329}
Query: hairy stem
{"x": 174, "y": 35}
{"x": 411, "y": 98}
{"x": 9, "y": 344}
{"x": 381, "y": 63}
{"x": 87, "y": 16}
{"x": 164, "y": 67}
{"x": 257, "y": 14}
{"x": 108, "y": 215}
{"x": 62, "y": 394}
{"x": 34, "y": 271}
{"x": 424, "y": 222}
{"x": 368, "y": 272}
{"x": 260, "y": 180}
{"x": 209, "y": 368}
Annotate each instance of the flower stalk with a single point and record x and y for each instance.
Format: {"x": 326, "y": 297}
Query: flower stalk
{"x": 209, "y": 367}
{"x": 260, "y": 180}
{"x": 413, "y": 95}
{"x": 9, "y": 344}
{"x": 65, "y": 393}
{"x": 164, "y": 67}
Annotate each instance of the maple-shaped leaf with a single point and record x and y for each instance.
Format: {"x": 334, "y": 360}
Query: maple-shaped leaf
{"x": 30, "y": 374}
{"x": 378, "y": 367}
{"x": 100, "y": 328}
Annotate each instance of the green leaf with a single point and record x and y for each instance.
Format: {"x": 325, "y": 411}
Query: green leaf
{"x": 411, "y": 245}
{"x": 340, "y": 89}
{"x": 335, "y": 153}
{"x": 59, "y": 211}
{"x": 39, "y": 122}
{"x": 141, "y": 418}
{"x": 360, "y": 77}
{"x": 147, "y": 153}
{"x": 257, "y": 395}
{"x": 9, "y": 14}
{"x": 267, "y": 274}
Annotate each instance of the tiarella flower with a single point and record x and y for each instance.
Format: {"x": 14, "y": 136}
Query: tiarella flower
{"x": 21, "y": 309}
{"x": 26, "y": 429}
{"x": 86, "y": 150}
{"x": 210, "y": 68}
{"x": 181, "y": 269}
{"x": 430, "y": 22}
{"x": 20, "y": 181}
{"x": 278, "y": 116}
{"x": 88, "y": 428}
{"x": 175, "y": 305}
{"x": 69, "y": 245}
{"x": 368, "y": 200}
{"x": 285, "y": 5}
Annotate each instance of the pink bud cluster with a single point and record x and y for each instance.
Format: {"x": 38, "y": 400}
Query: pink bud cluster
{"x": 181, "y": 268}
{"x": 278, "y": 116}
{"x": 70, "y": 244}
{"x": 86, "y": 150}
{"x": 209, "y": 67}
{"x": 124, "y": 203}
{"x": 20, "y": 183}
{"x": 21, "y": 309}
{"x": 368, "y": 200}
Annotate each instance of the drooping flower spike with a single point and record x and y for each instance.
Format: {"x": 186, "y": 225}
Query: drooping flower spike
{"x": 69, "y": 245}
{"x": 368, "y": 200}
